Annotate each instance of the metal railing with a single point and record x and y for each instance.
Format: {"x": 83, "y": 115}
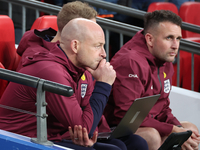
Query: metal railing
{"x": 184, "y": 44}
{"x": 134, "y": 12}
{"x": 42, "y": 86}
{"x": 111, "y": 25}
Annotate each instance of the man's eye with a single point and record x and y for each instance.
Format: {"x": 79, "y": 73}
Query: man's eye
{"x": 168, "y": 38}
{"x": 179, "y": 38}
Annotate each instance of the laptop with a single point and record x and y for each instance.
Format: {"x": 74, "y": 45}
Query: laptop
{"x": 132, "y": 119}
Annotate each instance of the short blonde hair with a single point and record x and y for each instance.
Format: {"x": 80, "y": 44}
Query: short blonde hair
{"x": 73, "y": 10}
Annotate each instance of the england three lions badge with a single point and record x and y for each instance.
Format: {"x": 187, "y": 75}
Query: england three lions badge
{"x": 167, "y": 86}
{"x": 83, "y": 90}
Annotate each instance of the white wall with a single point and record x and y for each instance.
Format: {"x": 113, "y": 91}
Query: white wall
{"x": 185, "y": 105}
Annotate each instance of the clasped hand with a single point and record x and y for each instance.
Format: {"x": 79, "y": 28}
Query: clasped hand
{"x": 80, "y": 136}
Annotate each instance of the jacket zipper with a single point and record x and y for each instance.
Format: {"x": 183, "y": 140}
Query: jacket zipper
{"x": 159, "y": 80}
{"x": 77, "y": 85}
{"x": 152, "y": 116}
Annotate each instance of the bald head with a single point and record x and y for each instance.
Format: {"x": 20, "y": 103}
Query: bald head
{"x": 83, "y": 42}
{"x": 78, "y": 29}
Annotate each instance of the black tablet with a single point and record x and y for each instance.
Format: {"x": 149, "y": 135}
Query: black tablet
{"x": 175, "y": 140}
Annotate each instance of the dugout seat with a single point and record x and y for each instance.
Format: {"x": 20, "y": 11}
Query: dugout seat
{"x": 8, "y": 55}
{"x": 45, "y": 21}
{"x": 162, "y": 6}
{"x": 186, "y": 68}
{"x": 189, "y": 13}
{"x": 187, "y": 58}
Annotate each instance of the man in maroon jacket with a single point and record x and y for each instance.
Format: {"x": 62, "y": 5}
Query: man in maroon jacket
{"x": 57, "y": 61}
{"x": 144, "y": 67}
{"x": 69, "y": 11}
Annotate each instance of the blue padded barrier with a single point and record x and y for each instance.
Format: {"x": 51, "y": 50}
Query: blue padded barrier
{"x": 12, "y": 141}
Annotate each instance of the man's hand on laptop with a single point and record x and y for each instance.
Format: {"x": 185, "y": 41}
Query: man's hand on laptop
{"x": 80, "y": 136}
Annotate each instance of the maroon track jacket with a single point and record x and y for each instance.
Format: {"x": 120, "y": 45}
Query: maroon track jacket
{"x": 140, "y": 74}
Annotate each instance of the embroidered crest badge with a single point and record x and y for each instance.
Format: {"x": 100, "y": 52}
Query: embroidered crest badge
{"x": 83, "y": 90}
{"x": 166, "y": 86}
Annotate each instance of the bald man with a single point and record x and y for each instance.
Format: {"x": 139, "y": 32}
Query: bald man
{"x": 74, "y": 62}
{"x": 69, "y": 11}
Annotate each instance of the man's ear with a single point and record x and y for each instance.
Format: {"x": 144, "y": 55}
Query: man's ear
{"x": 149, "y": 39}
{"x": 75, "y": 45}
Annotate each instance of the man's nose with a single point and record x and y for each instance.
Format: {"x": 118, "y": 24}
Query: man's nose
{"x": 175, "y": 44}
{"x": 103, "y": 53}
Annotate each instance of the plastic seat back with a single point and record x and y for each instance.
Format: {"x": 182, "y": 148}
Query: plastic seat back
{"x": 8, "y": 55}
{"x": 162, "y": 6}
{"x": 186, "y": 68}
{"x": 187, "y": 75}
{"x": 3, "y": 83}
{"x": 189, "y": 13}
{"x": 45, "y": 21}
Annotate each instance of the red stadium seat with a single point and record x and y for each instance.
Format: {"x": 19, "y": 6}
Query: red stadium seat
{"x": 8, "y": 55}
{"x": 186, "y": 83}
{"x": 45, "y": 22}
{"x": 185, "y": 69}
{"x": 162, "y": 6}
{"x": 189, "y": 13}
{"x": 3, "y": 83}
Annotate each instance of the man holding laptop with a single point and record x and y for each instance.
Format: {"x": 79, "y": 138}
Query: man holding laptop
{"x": 144, "y": 68}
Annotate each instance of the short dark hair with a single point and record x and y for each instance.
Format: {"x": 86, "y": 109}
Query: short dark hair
{"x": 74, "y": 10}
{"x": 152, "y": 19}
